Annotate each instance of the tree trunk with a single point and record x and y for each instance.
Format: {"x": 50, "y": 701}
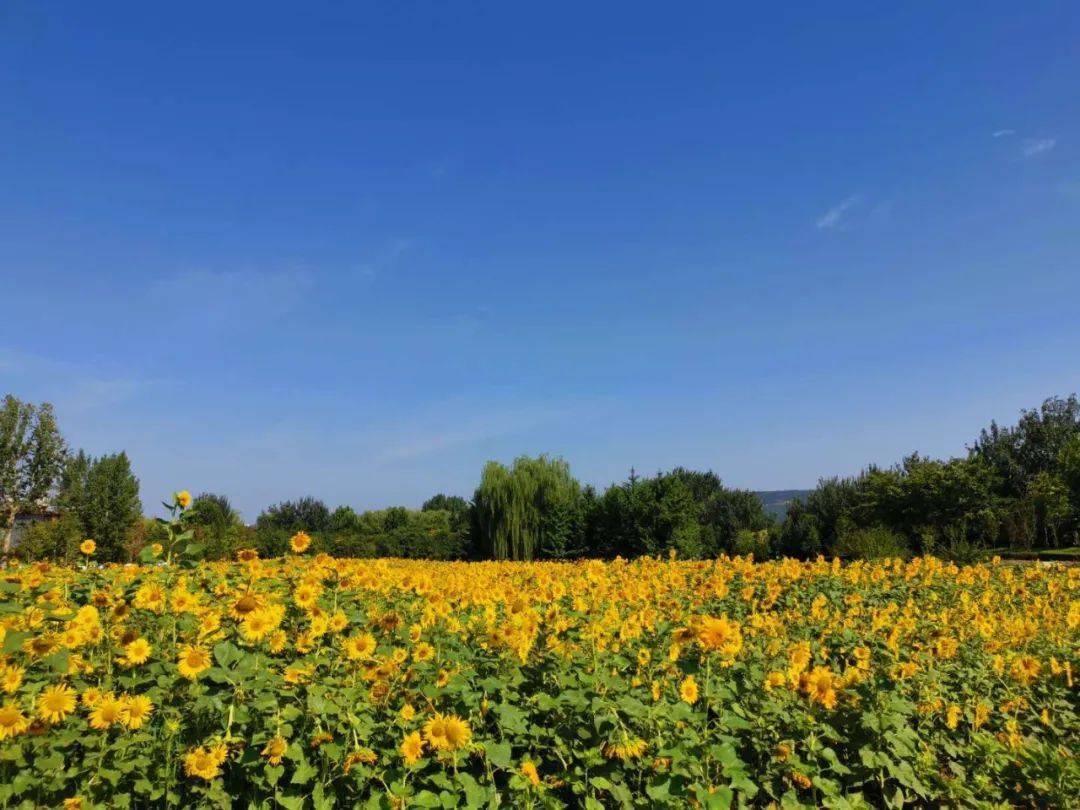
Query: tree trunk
{"x": 10, "y": 528}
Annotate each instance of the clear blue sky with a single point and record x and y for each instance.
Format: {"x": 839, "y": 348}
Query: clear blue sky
{"x": 355, "y": 250}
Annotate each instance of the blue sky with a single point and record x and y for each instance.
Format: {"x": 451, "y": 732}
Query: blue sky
{"x": 356, "y": 250}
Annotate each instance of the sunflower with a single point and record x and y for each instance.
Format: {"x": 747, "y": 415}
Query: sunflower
{"x": 363, "y": 756}
{"x": 107, "y": 711}
{"x": 528, "y": 770}
{"x": 183, "y": 499}
{"x": 275, "y": 749}
{"x": 719, "y": 635}
{"x": 137, "y": 652}
{"x": 91, "y": 697}
{"x": 192, "y": 661}
{"x": 412, "y": 748}
{"x": 135, "y": 709}
{"x": 300, "y": 542}
{"x": 820, "y": 686}
{"x": 338, "y": 622}
{"x": 246, "y": 604}
{"x": 952, "y": 716}
{"x": 774, "y": 679}
{"x": 307, "y": 594}
{"x": 11, "y": 678}
{"x": 1025, "y": 669}
{"x": 205, "y": 762}
{"x": 626, "y": 748}
{"x": 55, "y": 703}
{"x": 688, "y": 690}
{"x": 88, "y": 547}
{"x": 257, "y": 625}
{"x": 447, "y": 732}
{"x": 359, "y": 647}
{"x": 12, "y": 720}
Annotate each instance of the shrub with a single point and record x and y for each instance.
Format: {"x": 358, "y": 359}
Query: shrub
{"x": 873, "y": 543}
{"x": 758, "y": 543}
{"x": 56, "y": 539}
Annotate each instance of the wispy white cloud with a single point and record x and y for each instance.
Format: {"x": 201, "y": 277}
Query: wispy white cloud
{"x": 1003, "y": 133}
{"x": 1037, "y": 146}
{"x": 835, "y": 216}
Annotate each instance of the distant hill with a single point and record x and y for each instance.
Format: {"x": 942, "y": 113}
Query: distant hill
{"x": 776, "y": 500}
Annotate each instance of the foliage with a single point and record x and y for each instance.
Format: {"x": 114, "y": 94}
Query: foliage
{"x": 217, "y": 527}
{"x": 309, "y": 681}
{"x": 526, "y": 510}
{"x": 1018, "y": 486}
{"x": 460, "y": 509}
{"x": 102, "y": 494}
{"x": 304, "y": 515}
{"x": 54, "y": 539}
{"x": 871, "y": 543}
{"x": 684, "y": 511}
{"x": 32, "y": 453}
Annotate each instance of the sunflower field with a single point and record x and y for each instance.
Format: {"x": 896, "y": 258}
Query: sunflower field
{"x": 308, "y": 681}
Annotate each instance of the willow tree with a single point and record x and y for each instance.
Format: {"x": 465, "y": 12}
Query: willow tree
{"x": 526, "y": 510}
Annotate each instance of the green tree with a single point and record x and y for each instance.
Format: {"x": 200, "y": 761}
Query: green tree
{"x": 32, "y": 453}
{"x": 306, "y": 514}
{"x": 521, "y": 511}
{"x": 830, "y": 502}
{"x": 103, "y": 494}
{"x": 1049, "y": 496}
{"x": 212, "y": 511}
{"x": 459, "y": 509}
{"x": 1017, "y": 454}
{"x": 928, "y": 500}
{"x": 800, "y": 533}
{"x": 276, "y": 524}
{"x": 216, "y": 524}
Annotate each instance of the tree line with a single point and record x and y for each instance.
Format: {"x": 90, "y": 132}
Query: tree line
{"x": 1016, "y": 487}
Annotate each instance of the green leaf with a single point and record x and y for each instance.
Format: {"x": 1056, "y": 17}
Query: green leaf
{"x": 304, "y": 773}
{"x": 290, "y": 801}
{"x": 319, "y": 798}
{"x": 425, "y": 798}
{"x": 13, "y": 641}
{"x": 226, "y": 652}
{"x": 475, "y": 795}
{"x": 659, "y": 790}
{"x": 498, "y": 754}
{"x": 720, "y": 800}
{"x": 58, "y": 661}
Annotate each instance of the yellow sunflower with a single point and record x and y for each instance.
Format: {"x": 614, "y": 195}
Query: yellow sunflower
{"x": 55, "y": 703}
{"x": 300, "y": 542}
{"x": 12, "y": 720}
{"x": 192, "y": 661}
{"x": 412, "y": 748}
